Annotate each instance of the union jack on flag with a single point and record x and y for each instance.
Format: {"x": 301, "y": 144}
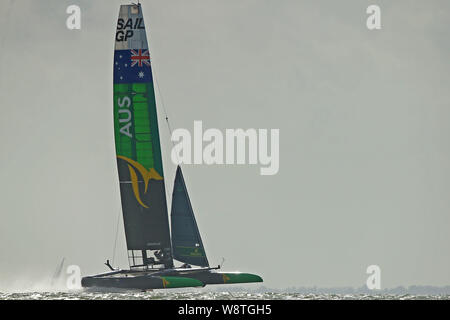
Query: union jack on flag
{"x": 140, "y": 58}
{"x": 123, "y": 70}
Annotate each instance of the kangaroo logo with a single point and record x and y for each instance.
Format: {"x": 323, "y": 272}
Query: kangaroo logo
{"x": 165, "y": 282}
{"x": 225, "y": 278}
{"x": 146, "y": 175}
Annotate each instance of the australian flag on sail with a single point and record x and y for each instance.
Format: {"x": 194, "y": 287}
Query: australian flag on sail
{"x": 132, "y": 66}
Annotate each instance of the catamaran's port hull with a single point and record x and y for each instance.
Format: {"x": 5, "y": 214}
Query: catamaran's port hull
{"x": 166, "y": 280}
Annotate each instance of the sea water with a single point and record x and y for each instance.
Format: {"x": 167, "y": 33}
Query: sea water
{"x": 202, "y": 295}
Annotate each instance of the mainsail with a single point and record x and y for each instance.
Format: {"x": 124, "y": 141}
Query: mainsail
{"x": 137, "y": 145}
{"x": 186, "y": 241}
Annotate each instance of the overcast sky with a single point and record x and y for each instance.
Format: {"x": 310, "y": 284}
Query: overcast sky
{"x": 364, "y": 119}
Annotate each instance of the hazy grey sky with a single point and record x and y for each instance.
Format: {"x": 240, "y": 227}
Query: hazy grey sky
{"x": 364, "y": 135}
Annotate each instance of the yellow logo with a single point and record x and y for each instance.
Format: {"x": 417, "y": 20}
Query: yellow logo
{"x": 196, "y": 253}
{"x": 146, "y": 175}
{"x": 165, "y": 282}
{"x": 225, "y": 278}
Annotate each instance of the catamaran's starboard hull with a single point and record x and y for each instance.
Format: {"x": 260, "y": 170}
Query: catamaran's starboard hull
{"x": 167, "y": 280}
{"x": 141, "y": 283}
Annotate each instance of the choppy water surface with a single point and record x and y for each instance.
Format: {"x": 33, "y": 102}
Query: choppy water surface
{"x": 166, "y": 295}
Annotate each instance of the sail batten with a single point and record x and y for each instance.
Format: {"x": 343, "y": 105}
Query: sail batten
{"x": 187, "y": 243}
{"x": 138, "y": 147}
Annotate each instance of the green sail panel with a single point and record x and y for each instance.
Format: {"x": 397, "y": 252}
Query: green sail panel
{"x": 187, "y": 244}
{"x": 138, "y": 147}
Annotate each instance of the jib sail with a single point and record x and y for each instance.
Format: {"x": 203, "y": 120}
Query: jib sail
{"x": 186, "y": 241}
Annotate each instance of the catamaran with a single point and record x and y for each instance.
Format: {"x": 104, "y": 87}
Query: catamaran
{"x": 152, "y": 247}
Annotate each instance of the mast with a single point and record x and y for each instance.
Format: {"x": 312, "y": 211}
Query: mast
{"x": 138, "y": 148}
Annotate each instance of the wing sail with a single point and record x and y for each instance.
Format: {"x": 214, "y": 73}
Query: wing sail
{"x": 138, "y": 147}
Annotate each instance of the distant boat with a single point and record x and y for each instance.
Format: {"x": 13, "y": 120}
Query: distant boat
{"x": 57, "y": 275}
{"x": 151, "y": 249}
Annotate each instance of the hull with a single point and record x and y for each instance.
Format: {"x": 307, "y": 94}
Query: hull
{"x": 166, "y": 279}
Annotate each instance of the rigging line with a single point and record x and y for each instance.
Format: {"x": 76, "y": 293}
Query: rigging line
{"x": 3, "y": 38}
{"x": 6, "y": 23}
{"x": 165, "y": 110}
{"x": 162, "y": 103}
{"x": 168, "y": 193}
{"x": 165, "y": 114}
{"x": 115, "y": 238}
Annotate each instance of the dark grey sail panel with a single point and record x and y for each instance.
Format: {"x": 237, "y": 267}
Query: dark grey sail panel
{"x": 146, "y": 228}
{"x": 187, "y": 244}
